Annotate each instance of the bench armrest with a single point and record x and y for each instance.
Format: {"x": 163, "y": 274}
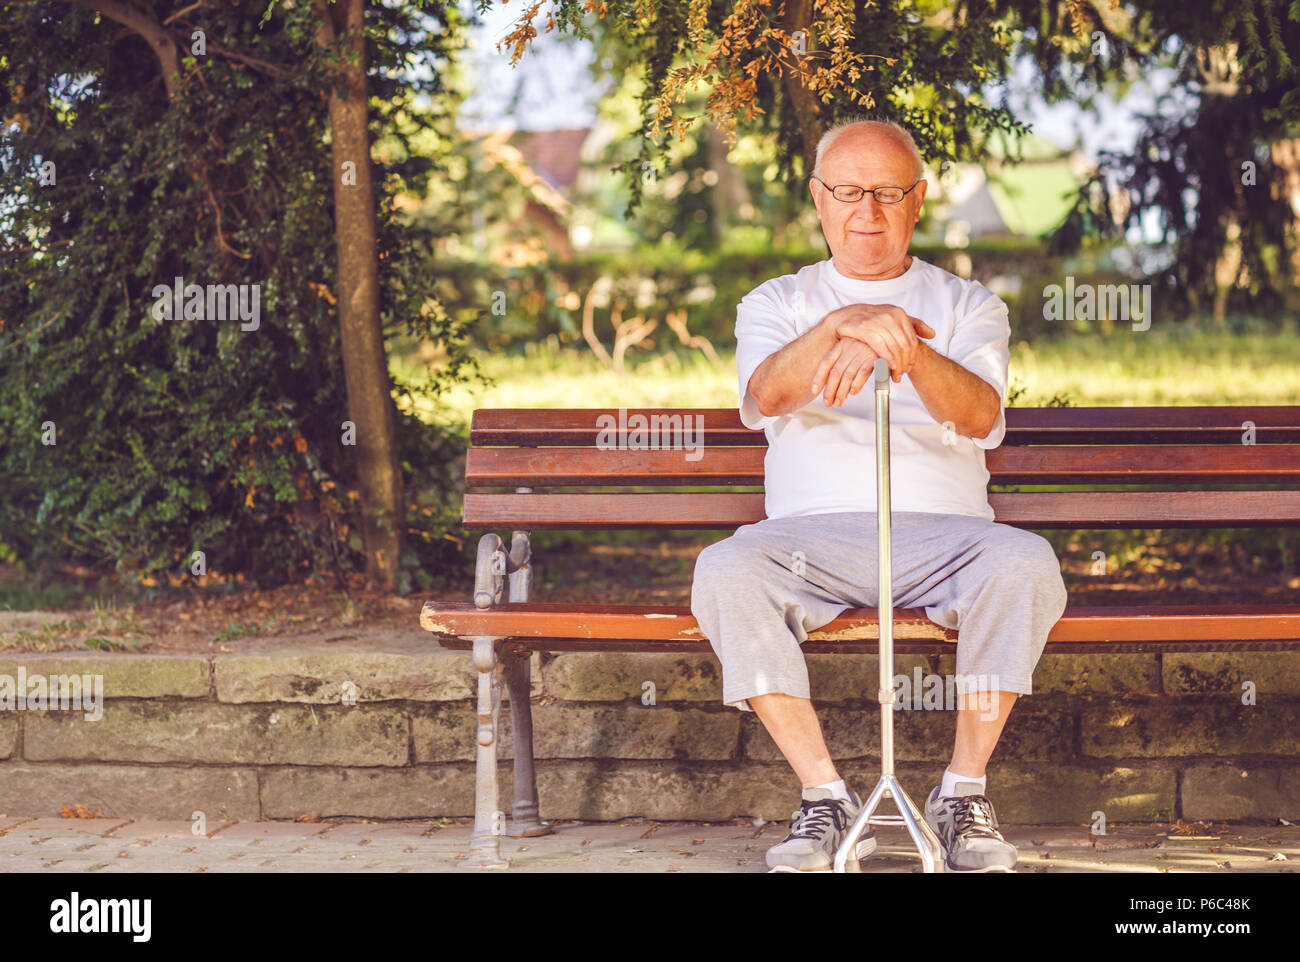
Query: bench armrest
{"x": 493, "y": 565}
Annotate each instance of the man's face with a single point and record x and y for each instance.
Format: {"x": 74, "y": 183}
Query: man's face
{"x": 868, "y": 240}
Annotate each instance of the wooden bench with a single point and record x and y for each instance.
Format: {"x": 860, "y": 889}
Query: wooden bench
{"x": 530, "y": 469}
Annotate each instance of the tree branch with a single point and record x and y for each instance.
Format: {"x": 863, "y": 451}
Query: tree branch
{"x": 146, "y": 25}
{"x": 180, "y": 13}
{"x": 274, "y": 71}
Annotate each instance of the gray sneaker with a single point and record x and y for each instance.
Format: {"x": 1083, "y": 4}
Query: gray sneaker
{"x": 816, "y": 831}
{"x": 968, "y": 829}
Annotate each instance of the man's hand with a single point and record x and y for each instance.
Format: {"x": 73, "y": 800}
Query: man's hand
{"x": 838, "y": 354}
{"x": 844, "y": 370}
{"x": 888, "y": 331}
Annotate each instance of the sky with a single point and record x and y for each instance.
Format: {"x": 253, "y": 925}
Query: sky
{"x": 551, "y": 84}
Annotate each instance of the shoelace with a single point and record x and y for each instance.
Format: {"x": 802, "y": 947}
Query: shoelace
{"x": 973, "y": 817}
{"x": 812, "y": 817}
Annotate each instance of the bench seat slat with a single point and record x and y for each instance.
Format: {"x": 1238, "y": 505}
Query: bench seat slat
{"x": 1101, "y": 509}
{"x": 1036, "y": 464}
{"x": 1274, "y": 424}
{"x": 559, "y": 627}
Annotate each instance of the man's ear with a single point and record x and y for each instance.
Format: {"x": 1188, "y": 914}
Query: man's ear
{"x": 920, "y": 197}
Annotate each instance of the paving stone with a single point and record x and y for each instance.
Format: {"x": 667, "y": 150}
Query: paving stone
{"x": 1270, "y": 672}
{"x": 1216, "y": 791}
{"x": 1043, "y": 732}
{"x": 1032, "y": 794}
{"x": 216, "y": 734}
{"x": 1113, "y": 842}
{"x": 353, "y": 831}
{"x": 414, "y": 792}
{"x": 152, "y": 828}
{"x": 1100, "y": 674}
{"x": 566, "y": 730}
{"x": 619, "y": 847}
{"x": 140, "y": 791}
{"x": 620, "y": 676}
{"x": 271, "y": 830}
{"x": 1161, "y": 729}
{"x": 125, "y": 675}
{"x": 63, "y": 826}
{"x": 8, "y": 734}
{"x": 324, "y": 677}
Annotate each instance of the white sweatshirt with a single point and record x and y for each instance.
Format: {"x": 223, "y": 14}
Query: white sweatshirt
{"x": 822, "y": 459}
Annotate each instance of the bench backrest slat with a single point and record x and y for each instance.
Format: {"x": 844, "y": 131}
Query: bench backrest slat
{"x": 1274, "y": 424}
{"x": 1074, "y": 509}
{"x": 1034, "y": 464}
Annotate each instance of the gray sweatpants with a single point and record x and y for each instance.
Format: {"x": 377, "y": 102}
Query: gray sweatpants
{"x": 757, "y": 594}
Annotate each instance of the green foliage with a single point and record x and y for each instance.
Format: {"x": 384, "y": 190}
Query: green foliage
{"x": 545, "y": 299}
{"x": 927, "y": 66}
{"x": 1016, "y": 391}
{"x": 185, "y": 435}
{"x": 1216, "y": 153}
{"x": 1215, "y": 162}
{"x": 707, "y": 283}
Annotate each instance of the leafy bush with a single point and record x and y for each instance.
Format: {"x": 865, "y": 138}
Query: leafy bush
{"x": 137, "y": 441}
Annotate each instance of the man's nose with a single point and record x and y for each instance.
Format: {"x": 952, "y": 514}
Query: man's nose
{"x": 868, "y": 209}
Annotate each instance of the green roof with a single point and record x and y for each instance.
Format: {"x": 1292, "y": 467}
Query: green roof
{"x": 1033, "y": 198}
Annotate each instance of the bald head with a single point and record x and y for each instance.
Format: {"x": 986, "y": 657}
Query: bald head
{"x": 860, "y": 136}
{"x": 868, "y": 238}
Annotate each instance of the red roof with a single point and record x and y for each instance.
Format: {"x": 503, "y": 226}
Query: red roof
{"x": 552, "y": 153}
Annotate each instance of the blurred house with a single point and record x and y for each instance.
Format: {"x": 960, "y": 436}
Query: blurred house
{"x": 1002, "y": 198}
{"x": 545, "y": 163}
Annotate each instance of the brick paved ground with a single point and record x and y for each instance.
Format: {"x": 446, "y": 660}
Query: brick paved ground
{"x": 108, "y": 845}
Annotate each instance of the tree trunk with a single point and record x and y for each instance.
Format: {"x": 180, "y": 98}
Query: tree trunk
{"x": 721, "y": 194}
{"x": 805, "y": 106}
{"x": 1286, "y": 156}
{"x": 365, "y": 366}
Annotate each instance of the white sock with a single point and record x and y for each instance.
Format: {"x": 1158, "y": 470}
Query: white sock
{"x": 950, "y": 779}
{"x": 837, "y": 789}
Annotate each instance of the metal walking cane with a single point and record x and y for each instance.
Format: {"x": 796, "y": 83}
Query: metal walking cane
{"x": 888, "y": 787}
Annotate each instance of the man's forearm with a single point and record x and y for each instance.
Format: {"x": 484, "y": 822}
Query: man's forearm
{"x": 783, "y": 382}
{"x": 952, "y": 393}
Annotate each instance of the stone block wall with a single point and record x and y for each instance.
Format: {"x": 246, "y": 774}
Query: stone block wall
{"x": 271, "y": 735}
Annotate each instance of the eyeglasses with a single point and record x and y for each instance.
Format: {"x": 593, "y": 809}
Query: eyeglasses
{"x": 850, "y": 194}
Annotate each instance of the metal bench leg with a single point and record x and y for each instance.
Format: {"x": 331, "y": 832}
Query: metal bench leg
{"x": 524, "y": 821}
{"x": 489, "y": 821}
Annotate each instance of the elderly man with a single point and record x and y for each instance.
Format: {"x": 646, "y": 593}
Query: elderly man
{"x": 806, "y": 345}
